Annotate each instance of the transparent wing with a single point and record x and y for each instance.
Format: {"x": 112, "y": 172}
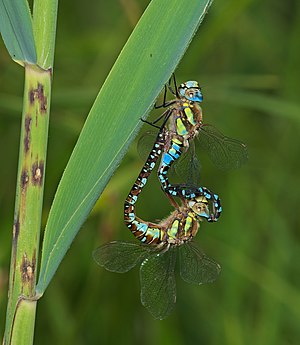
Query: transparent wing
{"x": 158, "y": 286}
{"x": 196, "y": 267}
{"x": 119, "y": 256}
{"x": 188, "y": 167}
{"x": 225, "y": 153}
{"x": 145, "y": 144}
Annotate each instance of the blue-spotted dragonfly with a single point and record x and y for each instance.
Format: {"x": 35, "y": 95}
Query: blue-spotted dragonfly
{"x": 184, "y": 122}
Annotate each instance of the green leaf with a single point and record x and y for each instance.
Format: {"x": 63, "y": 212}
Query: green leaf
{"x": 145, "y": 64}
{"x": 44, "y": 29}
{"x": 16, "y": 30}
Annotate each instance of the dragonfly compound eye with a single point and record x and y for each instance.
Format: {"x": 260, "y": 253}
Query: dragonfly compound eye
{"x": 191, "y": 91}
{"x": 200, "y": 208}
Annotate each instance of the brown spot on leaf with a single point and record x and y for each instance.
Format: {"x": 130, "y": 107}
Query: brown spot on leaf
{"x": 42, "y": 98}
{"x": 31, "y": 96}
{"x": 28, "y": 120}
{"x": 16, "y": 229}
{"x": 38, "y": 94}
{"x": 37, "y": 173}
{"x": 24, "y": 179}
{"x": 27, "y": 270}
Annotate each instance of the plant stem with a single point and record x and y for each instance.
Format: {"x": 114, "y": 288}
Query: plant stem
{"x": 28, "y": 206}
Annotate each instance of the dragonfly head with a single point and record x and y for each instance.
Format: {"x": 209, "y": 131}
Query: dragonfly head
{"x": 200, "y": 207}
{"x": 191, "y": 91}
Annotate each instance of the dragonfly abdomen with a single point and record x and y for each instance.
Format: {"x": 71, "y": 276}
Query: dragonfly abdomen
{"x": 140, "y": 228}
{"x": 168, "y": 158}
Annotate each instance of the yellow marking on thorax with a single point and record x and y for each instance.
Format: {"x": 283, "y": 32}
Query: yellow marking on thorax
{"x": 174, "y": 229}
{"x": 188, "y": 223}
{"x": 180, "y": 127}
{"x": 189, "y": 114}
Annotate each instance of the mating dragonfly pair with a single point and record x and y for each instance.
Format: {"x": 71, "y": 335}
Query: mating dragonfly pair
{"x": 161, "y": 242}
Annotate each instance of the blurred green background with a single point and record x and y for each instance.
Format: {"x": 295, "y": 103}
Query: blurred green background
{"x": 246, "y": 57}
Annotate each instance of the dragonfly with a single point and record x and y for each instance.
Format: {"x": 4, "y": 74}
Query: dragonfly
{"x": 184, "y": 121}
{"x": 156, "y": 253}
{"x": 148, "y": 232}
{"x": 157, "y": 260}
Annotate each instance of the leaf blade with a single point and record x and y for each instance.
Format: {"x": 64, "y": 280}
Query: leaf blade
{"x": 16, "y": 30}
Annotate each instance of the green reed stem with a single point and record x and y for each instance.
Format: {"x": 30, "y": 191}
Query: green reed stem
{"x": 21, "y": 307}
{"x": 28, "y": 206}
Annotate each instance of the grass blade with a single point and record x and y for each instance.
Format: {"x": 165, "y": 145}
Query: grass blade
{"x": 16, "y": 30}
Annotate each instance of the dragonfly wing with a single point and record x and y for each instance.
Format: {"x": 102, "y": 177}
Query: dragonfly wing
{"x": 188, "y": 167}
{"x": 196, "y": 267}
{"x": 225, "y": 153}
{"x": 119, "y": 256}
{"x": 145, "y": 144}
{"x": 158, "y": 286}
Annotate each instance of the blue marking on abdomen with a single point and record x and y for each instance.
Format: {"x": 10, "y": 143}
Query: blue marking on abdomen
{"x": 167, "y": 159}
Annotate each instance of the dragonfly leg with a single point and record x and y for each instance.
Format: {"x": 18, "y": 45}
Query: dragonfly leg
{"x": 172, "y": 201}
{"x": 150, "y": 123}
{"x": 163, "y": 105}
{"x": 166, "y": 104}
{"x": 164, "y": 116}
{"x": 175, "y": 93}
